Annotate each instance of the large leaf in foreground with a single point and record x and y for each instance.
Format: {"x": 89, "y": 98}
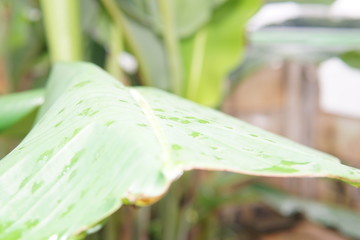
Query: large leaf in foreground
{"x": 100, "y": 144}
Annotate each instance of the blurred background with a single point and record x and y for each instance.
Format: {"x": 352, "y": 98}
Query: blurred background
{"x": 300, "y": 79}
{"x": 292, "y": 68}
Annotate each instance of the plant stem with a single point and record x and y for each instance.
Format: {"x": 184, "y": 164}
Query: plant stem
{"x": 115, "y": 48}
{"x": 62, "y": 25}
{"x": 142, "y": 223}
{"x": 3, "y": 79}
{"x": 210, "y": 227}
{"x": 171, "y": 44}
{"x": 196, "y": 68}
{"x": 111, "y": 230}
{"x": 170, "y": 219}
{"x": 4, "y": 84}
{"x": 120, "y": 21}
{"x": 184, "y": 224}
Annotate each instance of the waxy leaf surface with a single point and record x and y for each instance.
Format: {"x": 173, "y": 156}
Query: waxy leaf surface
{"x": 98, "y": 144}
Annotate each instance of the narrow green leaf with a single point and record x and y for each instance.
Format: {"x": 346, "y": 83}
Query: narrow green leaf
{"x": 100, "y": 144}
{"x": 343, "y": 219}
{"x": 14, "y": 107}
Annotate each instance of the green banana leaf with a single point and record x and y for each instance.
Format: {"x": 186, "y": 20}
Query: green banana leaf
{"x": 98, "y": 145}
{"x": 214, "y": 50}
{"x": 16, "y": 106}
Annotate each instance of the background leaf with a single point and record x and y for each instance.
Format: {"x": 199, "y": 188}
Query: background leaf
{"x": 16, "y": 106}
{"x": 24, "y": 41}
{"x": 206, "y": 38}
{"x": 343, "y": 219}
{"x": 189, "y": 15}
{"x": 83, "y": 159}
{"x": 351, "y": 58}
{"x": 214, "y": 50}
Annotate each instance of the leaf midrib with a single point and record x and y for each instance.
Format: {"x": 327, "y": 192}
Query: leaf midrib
{"x": 156, "y": 129}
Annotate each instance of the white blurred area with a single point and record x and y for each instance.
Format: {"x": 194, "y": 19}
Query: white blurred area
{"x": 339, "y": 88}
{"x": 274, "y": 13}
{"x": 345, "y": 9}
{"x": 278, "y": 12}
{"x": 339, "y": 84}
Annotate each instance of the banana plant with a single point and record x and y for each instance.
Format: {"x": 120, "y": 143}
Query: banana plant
{"x": 83, "y": 159}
